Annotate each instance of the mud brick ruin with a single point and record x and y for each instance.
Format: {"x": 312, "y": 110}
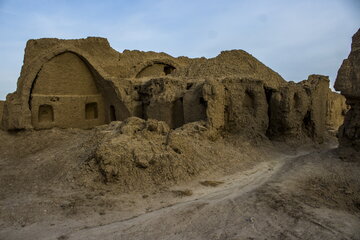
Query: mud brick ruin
{"x": 348, "y": 83}
{"x": 85, "y": 83}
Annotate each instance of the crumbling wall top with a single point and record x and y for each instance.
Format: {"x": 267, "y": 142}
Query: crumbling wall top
{"x": 348, "y": 77}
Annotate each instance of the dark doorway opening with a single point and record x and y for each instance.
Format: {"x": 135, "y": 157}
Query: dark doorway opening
{"x": 112, "y": 113}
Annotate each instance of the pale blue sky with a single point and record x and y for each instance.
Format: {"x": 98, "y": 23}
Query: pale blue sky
{"x": 295, "y": 38}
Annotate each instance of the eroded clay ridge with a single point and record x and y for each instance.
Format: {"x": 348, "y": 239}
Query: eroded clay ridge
{"x": 348, "y": 82}
{"x": 85, "y": 83}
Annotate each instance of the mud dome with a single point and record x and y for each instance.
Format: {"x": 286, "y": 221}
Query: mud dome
{"x": 85, "y": 83}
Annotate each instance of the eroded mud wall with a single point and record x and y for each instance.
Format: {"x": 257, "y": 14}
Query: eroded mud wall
{"x": 84, "y": 82}
{"x": 288, "y": 107}
{"x": 214, "y": 95}
{"x": 194, "y": 103}
{"x": 318, "y": 86}
{"x": 246, "y": 107}
{"x": 13, "y": 114}
{"x": 307, "y": 109}
{"x": 163, "y": 100}
{"x": 348, "y": 82}
{"x": 298, "y": 111}
{"x": 336, "y": 110}
{"x": 172, "y": 101}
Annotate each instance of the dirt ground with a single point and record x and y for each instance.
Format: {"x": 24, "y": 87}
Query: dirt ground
{"x": 51, "y": 189}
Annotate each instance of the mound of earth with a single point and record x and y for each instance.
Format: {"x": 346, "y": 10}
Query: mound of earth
{"x": 139, "y": 155}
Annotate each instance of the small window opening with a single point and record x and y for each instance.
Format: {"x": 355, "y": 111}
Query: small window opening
{"x": 91, "y": 110}
{"x": 46, "y": 113}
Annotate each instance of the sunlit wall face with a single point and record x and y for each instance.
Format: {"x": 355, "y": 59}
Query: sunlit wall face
{"x": 295, "y": 38}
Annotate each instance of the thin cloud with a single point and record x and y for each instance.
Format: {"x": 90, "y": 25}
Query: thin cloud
{"x": 295, "y": 38}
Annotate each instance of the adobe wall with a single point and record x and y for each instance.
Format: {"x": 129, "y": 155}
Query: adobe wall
{"x": 68, "y": 111}
{"x": 94, "y": 52}
{"x": 305, "y": 109}
{"x": 116, "y": 74}
{"x": 293, "y": 111}
{"x": 173, "y": 101}
{"x": 64, "y": 94}
{"x": 194, "y": 103}
{"x": 214, "y": 95}
{"x": 288, "y": 107}
{"x": 336, "y": 111}
{"x": 318, "y": 86}
{"x": 246, "y": 107}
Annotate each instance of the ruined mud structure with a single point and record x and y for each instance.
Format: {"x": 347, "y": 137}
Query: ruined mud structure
{"x": 348, "y": 82}
{"x": 85, "y": 83}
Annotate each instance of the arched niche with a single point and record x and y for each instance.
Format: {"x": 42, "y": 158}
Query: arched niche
{"x": 65, "y": 74}
{"x": 157, "y": 69}
{"x": 68, "y": 86}
{"x": 46, "y": 113}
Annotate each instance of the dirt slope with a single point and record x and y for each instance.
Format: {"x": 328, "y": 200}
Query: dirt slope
{"x": 287, "y": 194}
